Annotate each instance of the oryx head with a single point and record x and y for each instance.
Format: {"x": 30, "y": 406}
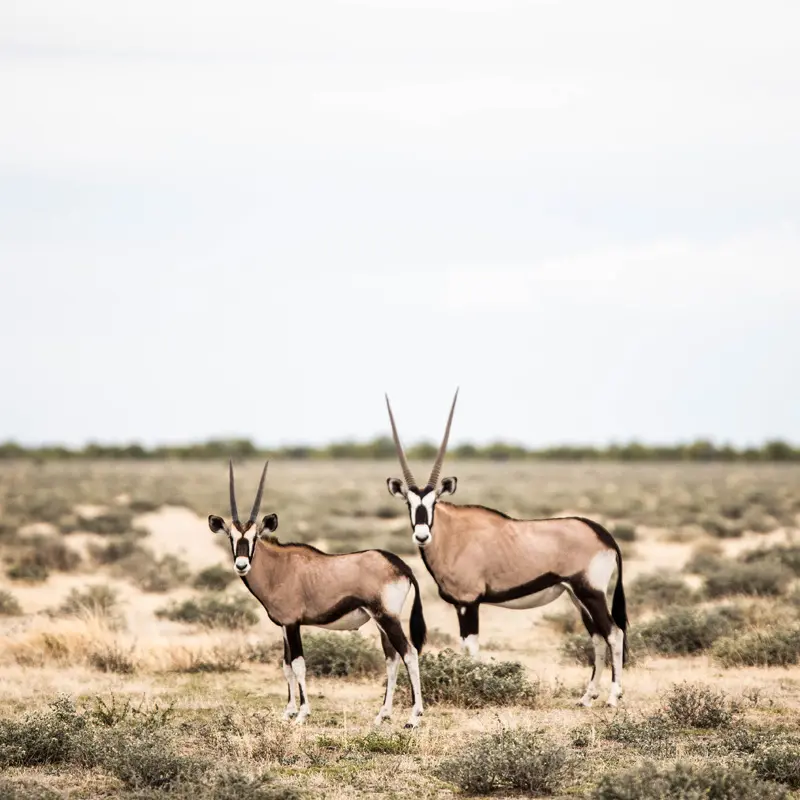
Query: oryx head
{"x": 421, "y": 501}
{"x": 242, "y": 534}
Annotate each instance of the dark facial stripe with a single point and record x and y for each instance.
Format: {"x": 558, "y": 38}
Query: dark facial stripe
{"x": 421, "y": 516}
{"x": 242, "y": 548}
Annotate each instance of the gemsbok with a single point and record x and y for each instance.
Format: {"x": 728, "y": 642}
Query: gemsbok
{"x": 297, "y": 584}
{"x": 480, "y": 555}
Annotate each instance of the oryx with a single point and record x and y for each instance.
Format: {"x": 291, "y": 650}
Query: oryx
{"x": 480, "y": 555}
{"x": 300, "y": 585}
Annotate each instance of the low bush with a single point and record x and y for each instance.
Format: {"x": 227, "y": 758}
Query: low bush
{"x": 779, "y": 763}
{"x": 514, "y": 760}
{"x": 697, "y": 706}
{"x": 786, "y": 554}
{"x": 9, "y": 605}
{"x": 96, "y": 601}
{"x": 688, "y": 631}
{"x": 661, "y": 590}
{"x": 779, "y": 647}
{"x": 26, "y": 790}
{"x": 624, "y": 532}
{"x": 41, "y": 555}
{"x": 654, "y": 736}
{"x": 210, "y": 611}
{"x": 216, "y": 578}
{"x": 683, "y": 781}
{"x": 111, "y": 521}
{"x": 761, "y": 579}
{"x": 707, "y": 558}
{"x": 112, "y": 657}
{"x": 216, "y": 659}
{"x": 722, "y": 527}
{"x": 459, "y": 680}
{"x": 155, "y": 575}
{"x": 118, "y": 549}
{"x": 342, "y": 655}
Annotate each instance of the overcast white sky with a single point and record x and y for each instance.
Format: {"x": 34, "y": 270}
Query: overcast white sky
{"x": 253, "y": 218}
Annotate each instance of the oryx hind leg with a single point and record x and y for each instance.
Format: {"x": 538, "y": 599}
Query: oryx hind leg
{"x": 390, "y": 626}
{"x": 298, "y": 665}
{"x": 600, "y": 648}
{"x": 590, "y": 590}
{"x": 291, "y": 706}
{"x": 392, "y": 665}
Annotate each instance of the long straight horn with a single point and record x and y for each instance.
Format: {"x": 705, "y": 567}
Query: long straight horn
{"x": 400, "y": 452}
{"x": 234, "y": 512}
{"x": 437, "y": 466}
{"x": 257, "y": 503}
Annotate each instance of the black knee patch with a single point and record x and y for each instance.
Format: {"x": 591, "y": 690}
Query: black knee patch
{"x": 468, "y": 620}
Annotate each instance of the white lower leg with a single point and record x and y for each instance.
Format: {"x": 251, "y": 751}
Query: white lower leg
{"x": 412, "y": 665}
{"x": 617, "y": 642}
{"x": 299, "y": 669}
{"x": 469, "y": 644}
{"x": 392, "y": 665}
{"x": 592, "y": 690}
{"x": 291, "y": 708}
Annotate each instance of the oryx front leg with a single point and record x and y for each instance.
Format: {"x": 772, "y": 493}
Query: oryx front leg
{"x": 298, "y": 667}
{"x": 468, "y": 628}
{"x": 392, "y": 665}
{"x": 394, "y": 633}
{"x": 291, "y": 706}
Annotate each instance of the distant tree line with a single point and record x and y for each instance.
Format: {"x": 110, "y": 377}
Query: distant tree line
{"x": 383, "y": 448}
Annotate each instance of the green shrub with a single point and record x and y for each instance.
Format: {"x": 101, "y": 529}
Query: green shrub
{"x": 772, "y": 648}
{"x": 100, "y": 600}
{"x": 397, "y": 743}
{"x": 459, "y": 680}
{"x": 683, "y": 781}
{"x": 217, "y": 659}
{"x": 156, "y": 575}
{"x": 119, "y": 549}
{"x": 114, "y": 658}
{"x": 654, "y": 736}
{"x": 624, "y": 532}
{"x": 340, "y": 655}
{"x": 213, "y": 612}
{"x": 697, "y": 706}
{"x": 786, "y": 554}
{"x": 762, "y": 579}
{"x": 26, "y": 790}
{"x": 707, "y": 558}
{"x": 116, "y": 520}
{"x": 41, "y": 555}
{"x": 779, "y": 763}
{"x": 9, "y": 605}
{"x": 512, "y": 760}
{"x": 660, "y": 590}
{"x": 216, "y": 578}
{"x": 688, "y": 631}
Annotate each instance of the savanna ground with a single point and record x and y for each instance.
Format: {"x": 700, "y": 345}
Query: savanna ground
{"x": 134, "y": 664}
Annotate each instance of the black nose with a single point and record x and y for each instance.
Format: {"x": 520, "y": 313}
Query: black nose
{"x": 421, "y": 516}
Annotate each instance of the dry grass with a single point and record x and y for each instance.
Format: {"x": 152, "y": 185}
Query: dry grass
{"x": 223, "y": 735}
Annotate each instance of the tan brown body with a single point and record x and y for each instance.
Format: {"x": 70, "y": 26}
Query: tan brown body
{"x": 476, "y": 554}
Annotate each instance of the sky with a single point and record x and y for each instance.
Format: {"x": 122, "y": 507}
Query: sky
{"x": 254, "y": 218}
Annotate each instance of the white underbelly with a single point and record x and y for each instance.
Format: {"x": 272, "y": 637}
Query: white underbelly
{"x": 349, "y": 622}
{"x": 534, "y": 600}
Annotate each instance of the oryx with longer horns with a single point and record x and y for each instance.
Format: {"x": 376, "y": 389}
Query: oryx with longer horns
{"x": 300, "y": 585}
{"x": 480, "y": 555}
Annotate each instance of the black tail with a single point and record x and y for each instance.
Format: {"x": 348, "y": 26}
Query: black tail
{"x": 619, "y": 611}
{"x": 419, "y": 631}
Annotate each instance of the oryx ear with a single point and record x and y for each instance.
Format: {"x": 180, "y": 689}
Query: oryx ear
{"x": 448, "y": 486}
{"x": 268, "y": 524}
{"x": 395, "y": 486}
{"x": 217, "y": 524}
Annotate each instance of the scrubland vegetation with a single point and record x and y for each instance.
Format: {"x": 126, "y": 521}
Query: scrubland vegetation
{"x": 134, "y": 664}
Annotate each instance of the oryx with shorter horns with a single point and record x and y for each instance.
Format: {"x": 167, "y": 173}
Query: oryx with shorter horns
{"x": 480, "y": 555}
{"x": 300, "y": 585}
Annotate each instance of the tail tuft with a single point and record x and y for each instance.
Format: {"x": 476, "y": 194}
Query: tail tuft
{"x": 418, "y": 628}
{"x": 619, "y": 612}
